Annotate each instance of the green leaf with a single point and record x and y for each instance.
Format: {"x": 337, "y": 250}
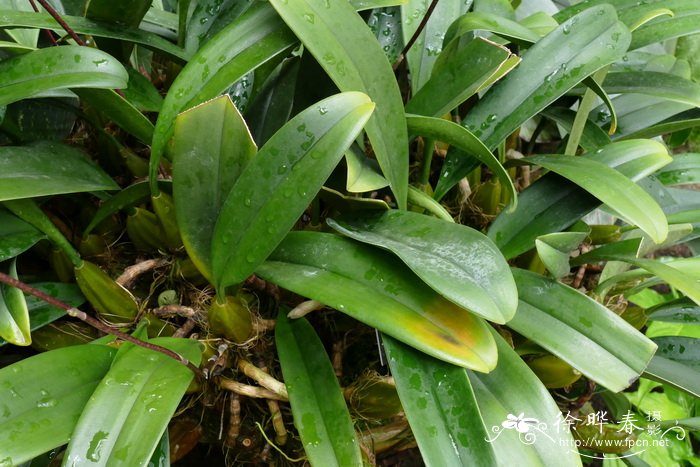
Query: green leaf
{"x": 63, "y": 67}
{"x": 440, "y": 406}
{"x": 278, "y": 184}
{"x": 14, "y": 315}
{"x": 48, "y": 169}
{"x": 127, "y": 197}
{"x": 43, "y": 396}
{"x": 552, "y": 204}
{"x": 665, "y": 28}
{"x": 130, "y": 409}
{"x": 458, "y": 262}
{"x": 469, "y": 70}
{"x": 25, "y": 37}
{"x": 375, "y": 288}
{"x": 141, "y": 93}
{"x": 249, "y": 41}
{"x": 211, "y": 146}
{"x": 363, "y": 173}
{"x": 9, "y": 19}
{"x": 118, "y": 109}
{"x": 318, "y": 406}
{"x": 421, "y": 199}
{"x": 208, "y": 17}
{"x": 385, "y": 24}
{"x": 580, "y": 331}
{"x": 629, "y": 201}
{"x": 683, "y": 312}
{"x": 554, "y": 249}
{"x": 16, "y": 236}
{"x": 556, "y": 63}
{"x": 593, "y": 136}
{"x": 360, "y": 5}
{"x": 653, "y": 83}
{"x": 680, "y": 349}
{"x": 459, "y": 137}
{"x": 421, "y": 57}
{"x": 346, "y": 48}
{"x": 685, "y": 169}
{"x": 675, "y": 374}
{"x": 485, "y": 21}
{"x": 512, "y": 389}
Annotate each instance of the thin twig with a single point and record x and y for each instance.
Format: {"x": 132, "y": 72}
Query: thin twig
{"x": 61, "y": 22}
{"x": 132, "y": 272}
{"x": 46, "y": 32}
{"x": 97, "y": 324}
{"x": 413, "y": 38}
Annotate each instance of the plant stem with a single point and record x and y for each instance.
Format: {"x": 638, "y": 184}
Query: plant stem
{"x": 415, "y": 35}
{"x": 97, "y": 324}
{"x": 61, "y": 22}
{"x": 584, "y": 109}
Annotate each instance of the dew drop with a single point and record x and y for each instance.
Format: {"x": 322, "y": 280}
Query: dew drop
{"x": 247, "y": 202}
{"x": 310, "y": 18}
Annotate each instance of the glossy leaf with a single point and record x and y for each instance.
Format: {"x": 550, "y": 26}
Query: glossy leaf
{"x": 120, "y": 110}
{"x": 211, "y": 146}
{"x": 425, "y": 51}
{"x": 665, "y": 28}
{"x": 82, "y": 25}
{"x": 421, "y": 199}
{"x": 685, "y": 169}
{"x": 556, "y": 63}
{"x": 318, "y": 406}
{"x": 554, "y": 249}
{"x": 375, "y": 288}
{"x": 345, "y": 47}
{"x": 246, "y": 43}
{"x": 360, "y": 5}
{"x": 469, "y": 70}
{"x": 43, "y": 397}
{"x": 592, "y": 138}
{"x": 681, "y": 349}
{"x": 58, "y": 68}
{"x": 665, "y": 85}
{"x": 363, "y": 173}
{"x": 441, "y": 407}
{"x": 275, "y": 187}
{"x": 48, "y": 169}
{"x": 580, "y": 331}
{"x": 14, "y": 315}
{"x": 141, "y": 93}
{"x": 459, "y": 137}
{"x": 16, "y": 235}
{"x": 629, "y": 201}
{"x": 552, "y": 204}
{"x": 130, "y": 409}
{"x": 684, "y": 312}
{"x": 510, "y": 390}
{"x": 458, "y": 262}
{"x": 127, "y": 197}
{"x": 675, "y": 374}
{"x": 208, "y": 17}
{"x": 485, "y": 21}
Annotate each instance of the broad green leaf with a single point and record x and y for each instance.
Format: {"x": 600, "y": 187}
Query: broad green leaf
{"x": 211, "y": 146}
{"x": 470, "y": 69}
{"x": 360, "y": 5}
{"x": 161, "y": 456}
{"x": 592, "y": 138}
{"x": 552, "y": 204}
{"x": 130, "y": 409}
{"x": 280, "y": 182}
{"x": 554, "y": 250}
{"x": 345, "y": 47}
{"x": 422, "y": 55}
{"x": 318, "y": 406}
{"x": 208, "y": 17}
{"x": 120, "y": 110}
{"x": 680, "y": 349}
{"x": 465, "y": 141}
{"x": 127, "y": 197}
{"x": 385, "y": 24}
{"x": 675, "y": 374}
{"x": 363, "y": 173}
{"x": 580, "y": 331}
{"x": 249, "y": 41}
{"x": 685, "y": 169}
{"x": 664, "y": 85}
{"x": 63, "y": 67}
{"x": 629, "y": 201}
{"x": 127, "y": 13}
{"x": 14, "y": 315}
{"x": 9, "y": 19}
{"x": 440, "y": 406}
{"x": 42, "y": 397}
{"x": 556, "y": 63}
{"x": 484, "y": 21}
{"x": 639, "y": 114}
{"x": 26, "y": 37}
{"x": 512, "y": 390}
{"x": 342, "y": 203}
{"x": 421, "y": 199}
{"x": 141, "y": 93}
{"x": 683, "y": 312}
{"x": 458, "y": 262}
{"x": 373, "y": 287}
{"x": 16, "y": 236}
{"x": 48, "y": 169}
{"x": 665, "y": 28}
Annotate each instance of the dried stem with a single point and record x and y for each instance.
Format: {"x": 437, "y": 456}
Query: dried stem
{"x": 262, "y": 378}
{"x": 247, "y": 390}
{"x": 97, "y": 324}
{"x": 131, "y": 273}
{"x": 60, "y": 21}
